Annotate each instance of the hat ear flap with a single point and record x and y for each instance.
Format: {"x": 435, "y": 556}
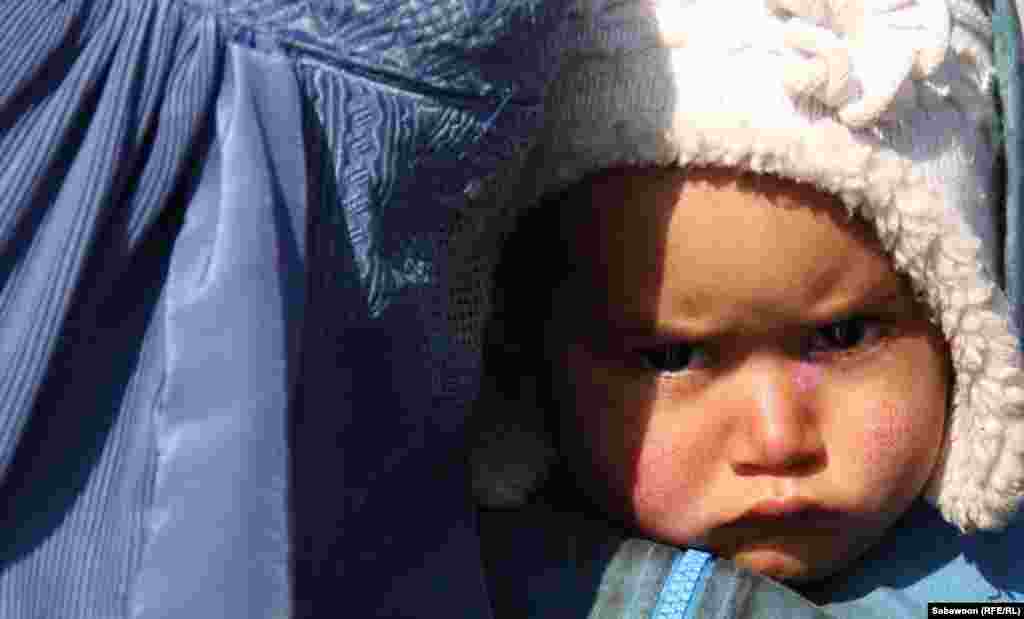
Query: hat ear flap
{"x": 512, "y": 451}
{"x": 513, "y": 441}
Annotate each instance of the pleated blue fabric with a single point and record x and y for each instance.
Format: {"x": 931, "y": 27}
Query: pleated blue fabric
{"x": 228, "y": 387}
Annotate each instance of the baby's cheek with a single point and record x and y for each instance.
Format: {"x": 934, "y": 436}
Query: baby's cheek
{"x": 669, "y": 488}
{"x": 897, "y": 447}
{"x": 658, "y": 477}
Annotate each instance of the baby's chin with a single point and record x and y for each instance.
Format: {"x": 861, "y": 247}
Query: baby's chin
{"x": 778, "y": 564}
{"x": 793, "y": 562}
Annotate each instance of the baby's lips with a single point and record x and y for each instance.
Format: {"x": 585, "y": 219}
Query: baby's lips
{"x": 781, "y": 506}
{"x": 796, "y": 513}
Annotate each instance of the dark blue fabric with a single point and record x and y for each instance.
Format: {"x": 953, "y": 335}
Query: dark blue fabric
{"x": 228, "y": 387}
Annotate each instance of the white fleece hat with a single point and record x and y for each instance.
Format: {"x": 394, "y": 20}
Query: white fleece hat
{"x": 887, "y": 104}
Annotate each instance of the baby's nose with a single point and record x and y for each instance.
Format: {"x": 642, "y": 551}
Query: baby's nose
{"x": 778, "y": 431}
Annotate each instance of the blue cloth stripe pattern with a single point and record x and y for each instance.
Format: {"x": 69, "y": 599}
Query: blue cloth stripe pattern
{"x": 99, "y": 129}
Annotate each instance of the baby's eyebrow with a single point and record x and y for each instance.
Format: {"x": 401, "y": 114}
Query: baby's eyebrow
{"x": 891, "y": 295}
{"x": 651, "y": 330}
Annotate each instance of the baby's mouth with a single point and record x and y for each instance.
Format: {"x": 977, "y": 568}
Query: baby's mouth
{"x": 796, "y": 514}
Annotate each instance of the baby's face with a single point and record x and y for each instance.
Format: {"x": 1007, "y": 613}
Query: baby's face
{"x": 742, "y": 370}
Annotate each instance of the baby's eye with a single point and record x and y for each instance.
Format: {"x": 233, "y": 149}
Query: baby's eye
{"x": 675, "y": 358}
{"x": 843, "y": 335}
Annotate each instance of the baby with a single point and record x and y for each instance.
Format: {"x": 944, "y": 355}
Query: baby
{"x": 773, "y": 318}
{"x": 742, "y": 369}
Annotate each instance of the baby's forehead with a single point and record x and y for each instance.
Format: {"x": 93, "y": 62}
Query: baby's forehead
{"x": 720, "y": 243}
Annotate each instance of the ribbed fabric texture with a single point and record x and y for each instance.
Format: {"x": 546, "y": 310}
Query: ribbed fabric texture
{"x": 101, "y": 109}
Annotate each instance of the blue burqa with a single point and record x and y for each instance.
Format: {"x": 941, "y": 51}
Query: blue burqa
{"x": 227, "y": 386}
